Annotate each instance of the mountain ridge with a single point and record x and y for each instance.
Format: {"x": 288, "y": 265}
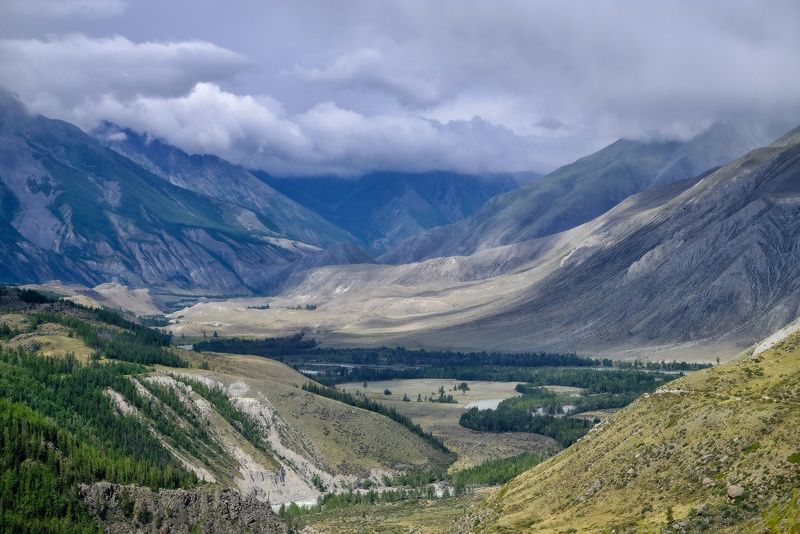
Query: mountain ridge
{"x": 78, "y": 211}
{"x": 581, "y": 191}
{"x": 216, "y": 178}
{"x": 383, "y": 208}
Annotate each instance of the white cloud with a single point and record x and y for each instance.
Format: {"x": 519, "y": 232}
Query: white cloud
{"x": 360, "y": 85}
{"x": 256, "y": 131}
{"x": 55, "y": 76}
{"x": 371, "y": 69}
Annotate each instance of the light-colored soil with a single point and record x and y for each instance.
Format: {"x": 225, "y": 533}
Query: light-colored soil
{"x": 110, "y": 295}
{"x": 312, "y": 436}
{"x": 567, "y": 390}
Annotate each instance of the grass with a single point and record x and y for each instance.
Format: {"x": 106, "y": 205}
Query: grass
{"x": 419, "y": 516}
{"x": 675, "y": 451}
{"x": 473, "y": 448}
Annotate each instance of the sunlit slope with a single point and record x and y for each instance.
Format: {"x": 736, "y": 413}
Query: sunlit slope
{"x": 676, "y": 455}
{"x": 336, "y": 441}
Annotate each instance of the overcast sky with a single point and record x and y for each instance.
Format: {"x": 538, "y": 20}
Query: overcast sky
{"x": 334, "y": 87}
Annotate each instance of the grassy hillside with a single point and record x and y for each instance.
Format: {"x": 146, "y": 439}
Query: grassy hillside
{"x": 340, "y": 440}
{"x": 130, "y": 409}
{"x": 672, "y": 458}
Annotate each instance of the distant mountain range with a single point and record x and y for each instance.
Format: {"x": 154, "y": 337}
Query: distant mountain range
{"x": 218, "y": 179}
{"x": 120, "y": 206}
{"x": 74, "y": 210}
{"x": 381, "y": 209}
{"x": 710, "y": 263}
{"x": 582, "y": 190}
{"x": 640, "y": 245}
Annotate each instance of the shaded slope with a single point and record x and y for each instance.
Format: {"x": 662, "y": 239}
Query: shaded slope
{"x": 581, "y": 191}
{"x": 677, "y": 452}
{"x": 380, "y": 209}
{"x": 75, "y": 210}
{"x": 216, "y": 178}
{"x": 720, "y": 258}
{"x": 698, "y": 268}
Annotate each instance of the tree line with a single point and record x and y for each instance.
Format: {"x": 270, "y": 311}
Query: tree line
{"x": 298, "y": 349}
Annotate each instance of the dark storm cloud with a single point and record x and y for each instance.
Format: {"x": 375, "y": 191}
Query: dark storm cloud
{"x": 352, "y": 87}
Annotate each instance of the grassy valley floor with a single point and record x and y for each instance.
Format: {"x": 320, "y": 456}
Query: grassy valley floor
{"x": 442, "y": 419}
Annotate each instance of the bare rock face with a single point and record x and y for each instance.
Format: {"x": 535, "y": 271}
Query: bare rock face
{"x": 125, "y": 509}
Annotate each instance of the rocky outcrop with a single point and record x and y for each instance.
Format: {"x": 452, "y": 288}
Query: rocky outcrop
{"x": 207, "y": 509}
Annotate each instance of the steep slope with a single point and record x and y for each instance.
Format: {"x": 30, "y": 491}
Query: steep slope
{"x": 216, "y": 178}
{"x": 241, "y": 422}
{"x": 581, "y": 191}
{"x": 381, "y": 209}
{"x": 716, "y": 450}
{"x": 700, "y": 268}
{"x": 75, "y": 210}
{"x": 717, "y": 261}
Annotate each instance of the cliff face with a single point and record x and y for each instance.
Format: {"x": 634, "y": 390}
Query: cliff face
{"x": 126, "y": 509}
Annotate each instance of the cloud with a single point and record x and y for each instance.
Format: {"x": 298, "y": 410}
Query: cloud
{"x": 326, "y": 139}
{"x": 65, "y": 8}
{"x": 600, "y": 71}
{"x": 57, "y": 75}
{"x": 365, "y": 68}
{"x": 358, "y": 85}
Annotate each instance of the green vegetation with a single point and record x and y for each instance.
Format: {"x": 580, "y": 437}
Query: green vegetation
{"x": 41, "y": 465}
{"x": 60, "y": 429}
{"x": 136, "y": 343}
{"x": 496, "y": 472}
{"x": 106, "y": 331}
{"x": 193, "y": 437}
{"x": 443, "y": 398}
{"x": 565, "y": 430}
{"x": 542, "y": 411}
{"x": 368, "y": 404}
{"x": 6, "y": 332}
{"x": 271, "y": 347}
{"x": 73, "y": 396}
{"x": 416, "y": 487}
{"x": 301, "y": 351}
{"x": 413, "y": 511}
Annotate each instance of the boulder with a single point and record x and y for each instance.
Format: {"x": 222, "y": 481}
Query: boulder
{"x": 735, "y": 491}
